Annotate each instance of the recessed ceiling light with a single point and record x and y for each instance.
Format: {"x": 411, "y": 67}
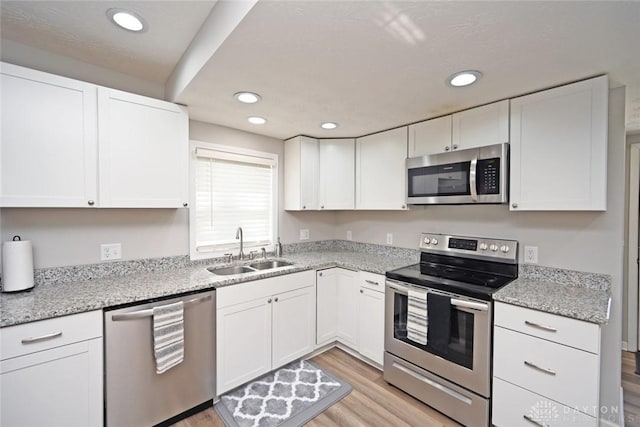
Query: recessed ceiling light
{"x": 247, "y": 97}
{"x": 257, "y": 120}
{"x": 329, "y": 125}
{"x": 128, "y": 20}
{"x": 464, "y": 78}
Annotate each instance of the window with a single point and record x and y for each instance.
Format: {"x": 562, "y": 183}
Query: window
{"x": 231, "y": 188}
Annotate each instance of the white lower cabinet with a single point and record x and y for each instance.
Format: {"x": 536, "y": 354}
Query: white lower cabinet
{"x": 350, "y": 310}
{"x": 263, "y": 325}
{"x": 545, "y": 369}
{"x": 51, "y": 372}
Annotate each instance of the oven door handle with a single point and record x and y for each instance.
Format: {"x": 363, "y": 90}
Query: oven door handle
{"x": 470, "y": 304}
{"x": 472, "y": 179}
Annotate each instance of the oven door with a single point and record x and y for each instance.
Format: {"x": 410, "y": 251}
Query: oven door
{"x": 466, "y": 360}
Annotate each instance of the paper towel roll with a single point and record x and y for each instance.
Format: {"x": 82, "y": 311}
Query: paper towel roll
{"x": 17, "y": 265}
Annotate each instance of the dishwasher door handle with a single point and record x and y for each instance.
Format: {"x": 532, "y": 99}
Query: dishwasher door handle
{"x": 149, "y": 312}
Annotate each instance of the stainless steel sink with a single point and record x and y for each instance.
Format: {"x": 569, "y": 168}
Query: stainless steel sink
{"x": 266, "y": 265}
{"x": 227, "y": 271}
{"x": 239, "y": 269}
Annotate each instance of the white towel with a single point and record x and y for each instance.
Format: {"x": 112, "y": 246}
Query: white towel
{"x": 417, "y": 319}
{"x": 168, "y": 336}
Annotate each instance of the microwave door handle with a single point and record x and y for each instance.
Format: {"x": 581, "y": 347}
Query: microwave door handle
{"x": 472, "y": 179}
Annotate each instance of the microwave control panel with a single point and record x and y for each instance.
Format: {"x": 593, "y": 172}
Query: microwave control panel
{"x": 488, "y": 176}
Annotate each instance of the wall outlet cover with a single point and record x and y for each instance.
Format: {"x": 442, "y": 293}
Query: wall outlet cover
{"x": 389, "y": 238}
{"x": 110, "y": 251}
{"x": 349, "y": 235}
{"x": 304, "y": 234}
{"x": 530, "y": 254}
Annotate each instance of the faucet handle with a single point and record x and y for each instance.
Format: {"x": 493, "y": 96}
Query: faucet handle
{"x": 252, "y": 254}
{"x": 264, "y": 253}
{"x": 229, "y": 257}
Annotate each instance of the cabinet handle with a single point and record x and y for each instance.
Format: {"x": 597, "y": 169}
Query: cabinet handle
{"x": 447, "y": 148}
{"x": 371, "y": 282}
{"x": 361, "y": 291}
{"x": 404, "y": 206}
{"x": 185, "y": 204}
{"x": 539, "y": 326}
{"x": 514, "y": 205}
{"x": 41, "y": 338}
{"x": 91, "y": 202}
{"x": 455, "y": 146}
{"x": 275, "y": 299}
{"x": 540, "y": 368}
{"x": 320, "y": 274}
{"x": 269, "y": 300}
{"x": 531, "y": 420}
{"x": 304, "y": 207}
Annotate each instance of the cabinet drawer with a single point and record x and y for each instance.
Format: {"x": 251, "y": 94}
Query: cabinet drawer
{"x": 371, "y": 281}
{"x": 560, "y": 329}
{"x": 514, "y": 406}
{"x": 42, "y": 335}
{"x": 562, "y": 373}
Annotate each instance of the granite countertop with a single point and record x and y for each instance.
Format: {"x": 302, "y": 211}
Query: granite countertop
{"x": 59, "y": 299}
{"x": 588, "y": 303}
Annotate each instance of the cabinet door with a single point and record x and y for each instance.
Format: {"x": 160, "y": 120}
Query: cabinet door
{"x": 294, "y": 325}
{"x": 559, "y": 148}
{"x": 347, "y": 287}
{"x": 57, "y": 387}
{"x": 301, "y": 162}
{"x": 143, "y": 151}
{"x": 371, "y": 324}
{"x": 326, "y": 306}
{"x": 243, "y": 348}
{"x": 337, "y": 173}
{"x": 48, "y": 140}
{"x": 486, "y": 125}
{"x": 429, "y": 137}
{"x": 381, "y": 170}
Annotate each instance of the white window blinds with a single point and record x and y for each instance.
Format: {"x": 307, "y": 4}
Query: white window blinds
{"x": 233, "y": 190}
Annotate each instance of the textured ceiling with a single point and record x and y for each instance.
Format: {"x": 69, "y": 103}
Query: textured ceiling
{"x": 369, "y": 65}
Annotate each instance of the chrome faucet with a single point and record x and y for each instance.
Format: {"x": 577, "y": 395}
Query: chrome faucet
{"x": 239, "y": 236}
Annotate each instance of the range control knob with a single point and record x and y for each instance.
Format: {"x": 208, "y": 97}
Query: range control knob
{"x": 427, "y": 240}
{"x": 494, "y": 247}
{"x": 434, "y": 241}
{"x": 504, "y": 248}
{"x": 483, "y": 246}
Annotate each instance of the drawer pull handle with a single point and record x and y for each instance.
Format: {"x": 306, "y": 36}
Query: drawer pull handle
{"x": 539, "y": 326}
{"x": 41, "y": 338}
{"x": 531, "y": 420}
{"x": 371, "y": 282}
{"x": 541, "y": 369}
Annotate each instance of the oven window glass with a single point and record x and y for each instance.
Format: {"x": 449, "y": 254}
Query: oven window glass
{"x": 442, "y": 180}
{"x": 460, "y": 344}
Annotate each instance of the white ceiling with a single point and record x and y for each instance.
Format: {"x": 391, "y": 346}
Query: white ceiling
{"x": 369, "y": 65}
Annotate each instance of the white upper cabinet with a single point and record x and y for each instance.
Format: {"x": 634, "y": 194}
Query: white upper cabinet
{"x": 381, "y": 170}
{"x": 48, "y": 144}
{"x": 337, "y": 173}
{"x": 143, "y": 151}
{"x": 301, "y": 162}
{"x": 559, "y": 148}
{"x": 429, "y": 137}
{"x": 477, "y": 127}
{"x": 67, "y": 143}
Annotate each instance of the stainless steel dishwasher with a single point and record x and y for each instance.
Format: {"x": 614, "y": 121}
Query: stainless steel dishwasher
{"x": 135, "y": 395}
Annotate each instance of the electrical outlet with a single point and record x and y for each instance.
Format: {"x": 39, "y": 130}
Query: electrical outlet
{"x": 304, "y": 234}
{"x": 349, "y": 235}
{"x": 110, "y": 251}
{"x": 531, "y": 254}
{"x": 389, "y": 238}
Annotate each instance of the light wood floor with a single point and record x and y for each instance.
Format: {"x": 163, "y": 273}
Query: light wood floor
{"x": 631, "y": 390}
{"x": 372, "y": 402}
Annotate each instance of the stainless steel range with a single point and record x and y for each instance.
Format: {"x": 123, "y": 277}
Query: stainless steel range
{"x": 438, "y": 323}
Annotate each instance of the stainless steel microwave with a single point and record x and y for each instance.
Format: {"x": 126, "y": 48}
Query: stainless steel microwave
{"x": 471, "y": 176}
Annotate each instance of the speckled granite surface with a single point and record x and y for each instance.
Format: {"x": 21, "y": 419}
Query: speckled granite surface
{"x": 63, "y": 297}
{"x": 582, "y": 296}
